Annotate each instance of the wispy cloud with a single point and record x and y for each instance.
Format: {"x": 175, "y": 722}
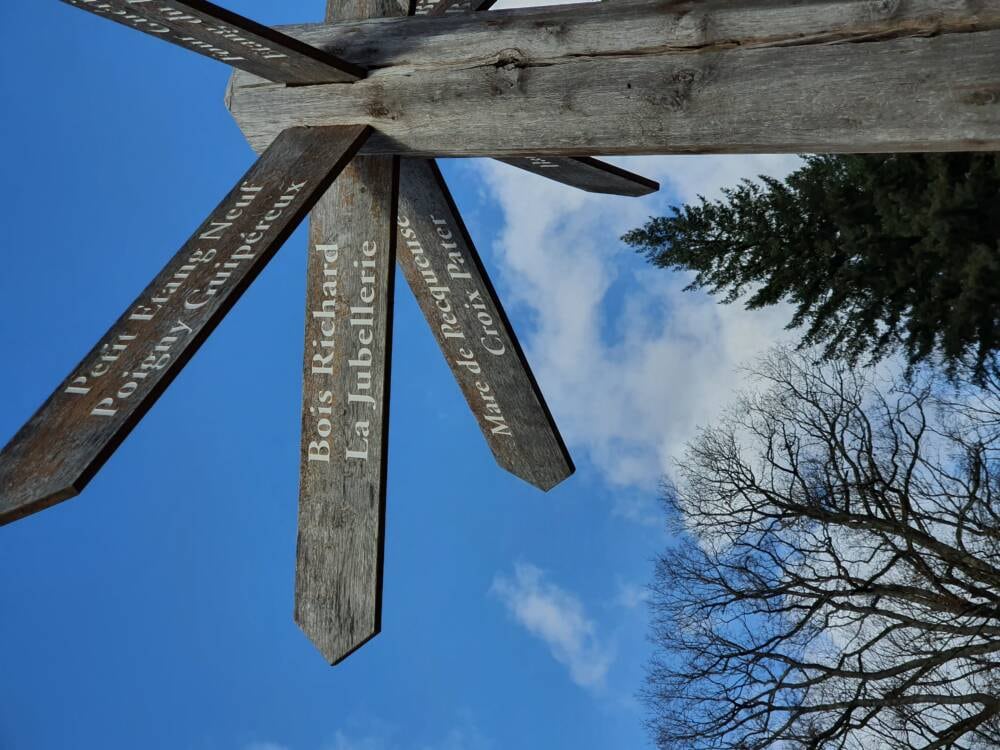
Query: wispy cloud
{"x": 558, "y": 618}
{"x": 374, "y": 734}
{"x": 629, "y": 382}
{"x": 342, "y": 741}
{"x": 465, "y": 737}
{"x": 631, "y": 595}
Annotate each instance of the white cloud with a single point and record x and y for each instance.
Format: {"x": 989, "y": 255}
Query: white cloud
{"x": 379, "y": 736}
{"x": 465, "y": 737}
{"x": 557, "y": 617}
{"x": 631, "y": 595}
{"x": 687, "y": 177}
{"x": 628, "y": 385}
{"x": 342, "y": 741}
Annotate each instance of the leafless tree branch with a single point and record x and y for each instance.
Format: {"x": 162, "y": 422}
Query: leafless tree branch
{"x": 836, "y": 583}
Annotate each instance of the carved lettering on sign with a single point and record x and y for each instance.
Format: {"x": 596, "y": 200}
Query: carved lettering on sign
{"x": 485, "y": 339}
{"x": 345, "y": 408}
{"x": 222, "y": 35}
{"x": 60, "y": 448}
{"x": 447, "y": 277}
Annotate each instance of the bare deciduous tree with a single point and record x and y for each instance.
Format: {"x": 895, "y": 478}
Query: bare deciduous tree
{"x": 837, "y": 580}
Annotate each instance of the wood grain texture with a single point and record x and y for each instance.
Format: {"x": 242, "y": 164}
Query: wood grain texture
{"x": 443, "y": 268}
{"x": 345, "y": 412}
{"x": 78, "y": 428}
{"x": 215, "y": 32}
{"x": 659, "y": 77}
{"x": 347, "y": 10}
{"x": 345, "y": 398}
{"x": 625, "y": 27}
{"x": 585, "y": 173}
{"x": 440, "y": 7}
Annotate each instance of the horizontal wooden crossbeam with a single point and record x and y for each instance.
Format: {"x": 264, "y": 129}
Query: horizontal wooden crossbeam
{"x": 656, "y": 76}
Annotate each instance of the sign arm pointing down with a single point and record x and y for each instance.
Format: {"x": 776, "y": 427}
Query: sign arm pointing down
{"x": 350, "y": 276}
{"x": 368, "y": 213}
{"x": 70, "y": 437}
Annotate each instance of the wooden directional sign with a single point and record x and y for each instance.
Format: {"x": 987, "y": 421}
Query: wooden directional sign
{"x": 215, "y": 32}
{"x": 447, "y": 277}
{"x": 345, "y": 391}
{"x": 586, "y": 173}
{"x": 71, "y": 436}
{"x": 345, "y": 409}
{"x": 539, "y": 88}
{"x": 356, "y": 225}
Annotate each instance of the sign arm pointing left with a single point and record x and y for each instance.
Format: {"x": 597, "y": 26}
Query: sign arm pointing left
{"x": 215, "y": 32}
{"x": 76, "y": 430}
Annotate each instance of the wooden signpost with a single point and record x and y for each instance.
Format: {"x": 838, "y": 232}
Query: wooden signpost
{"x": 345, "y": 411}
{"x": 657, "y": 77}
{"x": 215, "y": 32}
{"x": 345, "y": 408}
{"x": 64, "y": 444}
{"x": 539, "y": 89}
{"x": 447, "y": 277}
{"x": 586, "y": 173}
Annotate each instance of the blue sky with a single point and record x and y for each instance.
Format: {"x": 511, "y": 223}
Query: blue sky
{"x": 155, "y": 610}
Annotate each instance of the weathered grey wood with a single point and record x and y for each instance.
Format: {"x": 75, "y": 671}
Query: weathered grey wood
{"x": 78, "y": 428}
{"x": 440, "y": 7}
{"x": 345, "y": 411}
{"x": 585, "y": 173}
{"x": 625, "y": 27}
{"x": 659, "y": 77}
{"x": 215, "y": 32}
{"x": 443, "y": 268}
{"x": 345, "y": 417}
{"x": 349, "y": 10}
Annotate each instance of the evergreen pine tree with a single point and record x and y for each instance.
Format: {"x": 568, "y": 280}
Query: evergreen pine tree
{"x": 877, "y": 253}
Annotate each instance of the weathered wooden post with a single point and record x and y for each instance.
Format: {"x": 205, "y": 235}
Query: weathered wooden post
{"x": 345, "y": 396}
{"x": 656, "y": 77}
{"x": 88, "y": 416}
{"x": 539, "y": 88}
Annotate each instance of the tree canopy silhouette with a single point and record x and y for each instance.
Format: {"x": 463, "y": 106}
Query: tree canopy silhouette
{"x": 877, "y": 253}
{"x": 836, "y": 579}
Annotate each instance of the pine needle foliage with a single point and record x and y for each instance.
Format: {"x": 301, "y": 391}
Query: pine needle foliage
{"x": 878, "y": 254}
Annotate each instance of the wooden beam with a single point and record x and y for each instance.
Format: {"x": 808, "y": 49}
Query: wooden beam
{"x": 440, "y": 7}
{"x": 443, "y": 268}
{"x": 447, "y": 277}
{"x": 70, "y": 437}
{"x": 351, "y": 10}
{"x": 345, "y": 408}
{"x": 215, "y": 32}
{"x": 345, "y": 397}
{"x": 658, "y": 77}
{"x": 585, "y": 173}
